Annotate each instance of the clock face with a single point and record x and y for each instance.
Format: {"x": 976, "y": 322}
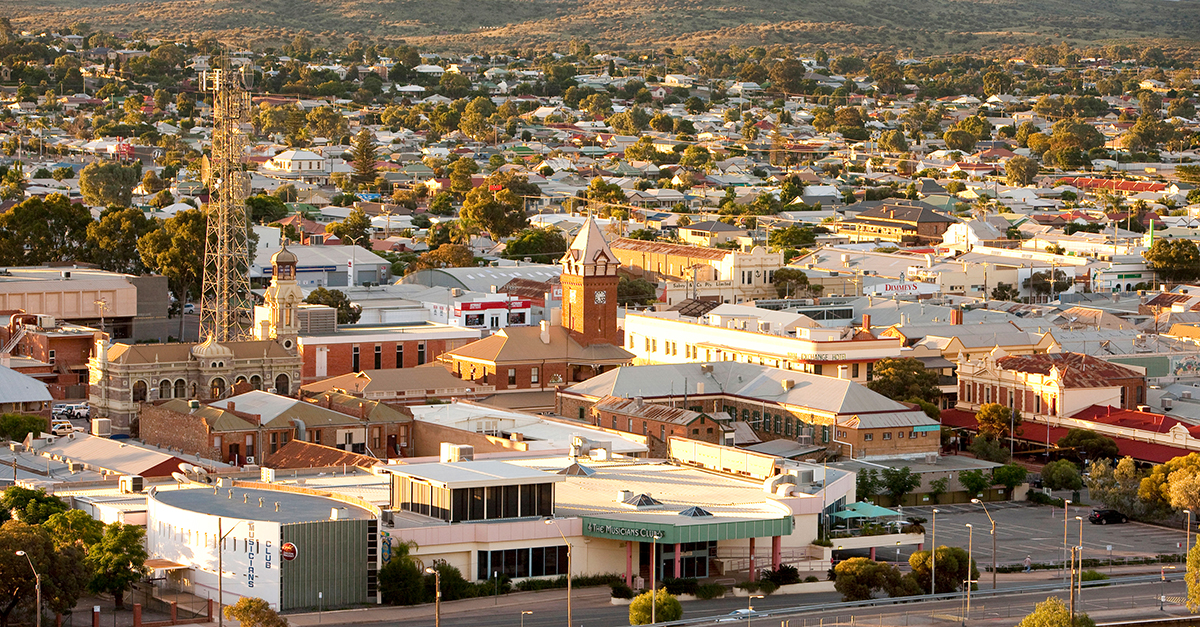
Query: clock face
{"x": 601, "y": 297}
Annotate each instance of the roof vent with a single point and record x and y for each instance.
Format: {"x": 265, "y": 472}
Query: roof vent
{"x": 1186, "y": 394}
{"x": 643, "y": 501}
{"x": 696, "y": 512}
{"x": 788, "y": 384}
{"x": 579, "y": 470}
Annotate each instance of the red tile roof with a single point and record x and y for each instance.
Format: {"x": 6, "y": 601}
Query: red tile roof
{"x": 1084, "y": 182}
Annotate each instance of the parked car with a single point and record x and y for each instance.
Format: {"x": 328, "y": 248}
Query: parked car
{"x": 59, "y": 426}
{"x": 1105, "y": 516}
{"x": 189, "y": 308}
{"x": 70, "y": 410}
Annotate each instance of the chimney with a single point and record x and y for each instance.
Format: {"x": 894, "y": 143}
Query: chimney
{"x": 362, "y": 410}
{"x": 956, "y": 316}
{"x": 638, "y": 401}
{"x": 545, "y": 328}
{"x": 699, "y": 387}
{"x": 866, "y": 324}
{"x": 232, "y": 406}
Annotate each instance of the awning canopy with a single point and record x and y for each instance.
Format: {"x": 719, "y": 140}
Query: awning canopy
{"x": 155, "y": 563}
{"x": 864, "y": 510}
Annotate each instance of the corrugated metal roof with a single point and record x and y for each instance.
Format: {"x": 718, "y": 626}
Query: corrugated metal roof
{"x": 1077, "y": 370}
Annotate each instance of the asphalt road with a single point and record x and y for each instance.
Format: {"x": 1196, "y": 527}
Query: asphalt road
{"x": 1138, "y": 598}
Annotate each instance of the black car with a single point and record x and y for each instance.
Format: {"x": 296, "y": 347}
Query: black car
{"x": 1105, "y": 516}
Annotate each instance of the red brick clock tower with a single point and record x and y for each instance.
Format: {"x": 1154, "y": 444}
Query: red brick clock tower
{"x": 589, "y": 283}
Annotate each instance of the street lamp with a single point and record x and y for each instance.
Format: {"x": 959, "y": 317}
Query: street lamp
{"x": 1162, "y": 584}
{"x": 1080, "y": 583}
{"x": 554, "y": 521}
{"x": 1066, "y": 513}
{"x": 750, "y": 607}
{"x": 933, "y": 557}
{"x": 970, "y": 563}
{"x": 353, "y": 258}
{"x": 221, "y": 566}
{"x": 523, "y": 616}
{"x": 654, "y": 571}
{"x": 37, "y": 585}
{"x": 993, "y": 521}
{"x": 1188, "y": 546}
{"x": 437, "y": 599}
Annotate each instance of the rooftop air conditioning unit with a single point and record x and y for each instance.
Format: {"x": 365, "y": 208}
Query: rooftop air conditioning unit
{"x": 130, "y": 484}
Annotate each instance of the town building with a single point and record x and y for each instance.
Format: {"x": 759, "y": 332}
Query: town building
{"x": 122, "y": 305}
{"x": 351, "y": 349}
{"x": 124, "y": 376}
{"x": 326, "y": 266}
{"x": 587, "y": 342}
{"x": 407, "y": 386}
{"x": 838, "y": 415}
{"x": 728, "y": 276}
{"x": 901, "y": 221}
{"x": 659, "y": 422}
{"x": 662, "y": 337}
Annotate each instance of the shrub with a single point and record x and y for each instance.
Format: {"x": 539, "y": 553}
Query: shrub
{"x": 767, "y": 587}
{"x": 825, "y": 542}
{"x": 709, "y": 591}
{"x": 679, "y": 586}
{"x": 1040, "y": 498}
{"x": 811, "y": 579}
{"x": 1091, "y": 575}
{"x": 621, "y": 591}
{"x": 748, "y": 586}
{"x": 783, "y": 576}
{"x": 666, "y": 608}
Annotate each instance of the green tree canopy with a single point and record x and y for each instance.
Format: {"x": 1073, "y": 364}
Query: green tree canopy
{"x": 1010, "y": 476}
{"x": 347, "y": 312}
{"x": 174, "y": 252}
{"x": 112, "y": 241}
{"x": 1175, "y": 260}
{"x": 1085, "y": 444}
{"x": 38, "y": 231}
{"x": 975, "y": 481}
{"x": 997, "y": 420}
{"x": 354, "y": 230}
{"x": 541, "y": 245}
{"x": 953, "y": 568}
{"x": 74, "y": 527}
{"x": 501, "y": 212}
{"x": 30, "y": 506}
{"x": 899, "y": 482}
{"x": 1020, "y": 170}
{"x": 1053, "y": 612}
{"x": 64, "y": 573}
{"x": 265, "y": 209}
{"x": 104, "y": 184}
{"x": 1062, "y": 474}
{"x": 634, "y": 292}
{"x": 16, "y": 426}
{"x": 859, "y": 578}
{"x": 254, "y": 612}
{"x": 904, "y": 378}
{"x": 118, "y": 560}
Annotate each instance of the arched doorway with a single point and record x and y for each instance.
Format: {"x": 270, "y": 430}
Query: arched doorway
{"x": 139, "y": 392}
{"x": 256, "y": 382}
{"x": 180, "y": 388}
{"x": 164, "y": 389}
{"x": 218, "y": 387}
{"x": 282, "y": 385}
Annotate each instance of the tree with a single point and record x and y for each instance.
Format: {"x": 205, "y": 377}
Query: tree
{"x": 118, "y": 560}
{"x": 666, "y": 608}
{"x": 859, "y": 578}
{"x": 953, "y": 568}
{"x": 74, "y": 527}
{"x": 265, "y": 209}
{"x": 899, "y": 482}
{"x": 866, "y": 484}
{"x": 1054, "y": 613}
{"x": 500, "y": 212}
{"x": 30, "y": 506}
{"x": 104, "y": 184}
{"x": 1176, "y": 260}
{"x": 791, "y": 237}
{"x": 960, "y": 140}
{"x": 974, "y": 481}
{"x": 904, "y": 378}
{"x": 173, "y": 251}
{"x": 1020, "y": 170}
{"x": 1005, "y": 291}
{"x": 1085, "y": 444}
{"x": 1168, "y": 484}
{"x": 401, "y": 581}
{"x": 542, "y": 245}
{"x": 39, "y": 231}
{"x": 1062, "y": 474}
{"x": 444, "y": 256}
{"x": 441, "y": 205}
{"x": 460, "y": 175}
{"x": 636, "y": 292}
{"x": 1192, "y": 577}
{"x": 112, "y": 241}
{"x": 996, "y": 420}
{"x": 1010, "y": 476}
{"x": 63, "y": 571}
{"x": 354, "y": 230}
{"x": 791, "y": 282}
{"x": 254, "y": 612}
{"x": 1117, "y": 487}
{"x": 16, "y": 426}
{"x": 985, "y": 446}
{"x": 347, "y": 312}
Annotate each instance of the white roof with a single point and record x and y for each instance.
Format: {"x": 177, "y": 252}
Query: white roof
{"x": 473, "y": 474}
{"x": 16, "y": 387}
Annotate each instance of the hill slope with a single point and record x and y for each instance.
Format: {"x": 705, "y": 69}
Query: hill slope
{"x": 922, "y": 26}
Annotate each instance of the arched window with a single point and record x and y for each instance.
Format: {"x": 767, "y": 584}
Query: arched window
{"x": 256, "y": 382}
{"x": 164, "y": 389}
{"x": 282, "y": 385}
{"x": 180, "y": 388}
{"x": 218, "y": 387}
{"x": 139, "y": 392}
{"x": 195, "y": 390}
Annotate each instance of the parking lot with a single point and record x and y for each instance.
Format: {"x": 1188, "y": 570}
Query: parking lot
{"x": 1037, "y": 531}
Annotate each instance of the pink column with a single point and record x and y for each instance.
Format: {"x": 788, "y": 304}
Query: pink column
{"x": 872, "y": 553}
{"x": 776, "y": 552}
{"x": 678, "y": 568}
{"x": 629, "y": 563}
{"x": 921, "y": 546}
{"x": 753, "y": 575}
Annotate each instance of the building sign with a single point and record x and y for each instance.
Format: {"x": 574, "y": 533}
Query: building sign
{"x": 901, "y": 288}
{"x": 593, "y": 528}
{"x": 686, "y": 531}
{"x": 818, "y": 356}
{"x": 1185, "y": 366}
{"x": 288, "y": 551}
{"x": 702, "y": 285}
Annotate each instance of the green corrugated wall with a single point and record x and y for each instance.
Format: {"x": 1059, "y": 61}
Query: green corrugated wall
{"x": 331, "y": 558}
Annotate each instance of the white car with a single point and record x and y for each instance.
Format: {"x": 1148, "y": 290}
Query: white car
{"x": 741, "y": 614}
{"x": 189, "y": 308}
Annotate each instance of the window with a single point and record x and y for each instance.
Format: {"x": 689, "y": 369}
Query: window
{"x": 887, "y": 435}
{"x": 653, "y": 345}
{"x": 354, "y": 359}
{"x": 854, "y": 371}
{"x": 378, "y": 357}
{"x": 50, "y": 359}
{"x": 316, "y": 436}
{"x": 420, "y": 352}
{"x": 662, "y": 433}
{"x": 867, "y": 437}
{"x": 533, "y": 375}
{"x": 870, "y": 372}
{"x": 399, "y": 355}
{"x": 274, "y": 443}
{"x": 512, "y": 376}
{"x": 645, "y": 428}
{"x": 987, "y": 393}
{"x": 647, "y": 345}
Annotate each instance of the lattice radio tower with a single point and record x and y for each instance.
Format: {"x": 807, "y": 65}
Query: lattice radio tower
{"x": 226, "y": 289}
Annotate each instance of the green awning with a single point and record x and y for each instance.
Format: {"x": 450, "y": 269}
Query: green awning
{"x": 847, "y": 514}
{"x": 870, "y": 510}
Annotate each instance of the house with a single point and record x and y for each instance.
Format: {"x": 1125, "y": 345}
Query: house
{"x": 659, "y": 422}
{"x": 730, "y": 276}
{"x": 900, "y": 221}
{"x": 1045, "y": 385}
{"x": 710, "y": 233}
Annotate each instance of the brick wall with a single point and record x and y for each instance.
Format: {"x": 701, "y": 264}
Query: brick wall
{"x": 428, "y": 438}
{"x": 339, "y": 358}
{"x": 170, "y": 429}
{"x": 522, "y": 374}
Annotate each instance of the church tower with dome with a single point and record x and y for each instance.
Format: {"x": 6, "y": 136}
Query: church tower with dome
{"x": 124, "y": 376}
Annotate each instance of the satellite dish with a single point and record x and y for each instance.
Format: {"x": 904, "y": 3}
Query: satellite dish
{"x": 186, "y": 468}
{"x": 179, "y": 478}
{"x": 201, "y": 473}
